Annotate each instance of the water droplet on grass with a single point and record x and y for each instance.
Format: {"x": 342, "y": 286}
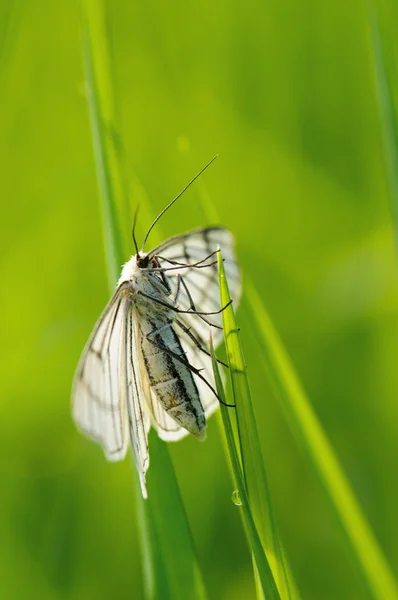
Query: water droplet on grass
{"x": 236, "y": 498}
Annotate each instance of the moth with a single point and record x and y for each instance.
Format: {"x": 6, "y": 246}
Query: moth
{"x": 147, "y": 363}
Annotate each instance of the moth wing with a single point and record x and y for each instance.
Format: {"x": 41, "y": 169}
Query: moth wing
{"x": 103, "y": 405}
{"x": 99, "y": 410}
{"x": 202, "y": 283}
{"x": 139, "y": 418}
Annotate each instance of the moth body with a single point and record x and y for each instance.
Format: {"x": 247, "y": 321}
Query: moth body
{"x": 167, "y": 378}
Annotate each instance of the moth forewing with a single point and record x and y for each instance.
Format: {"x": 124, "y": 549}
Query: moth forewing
{"x": 99, "y": 407}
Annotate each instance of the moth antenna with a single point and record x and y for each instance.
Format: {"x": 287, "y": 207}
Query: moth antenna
{"x": 133, "y": 231}
{"x": 175, "y": 199}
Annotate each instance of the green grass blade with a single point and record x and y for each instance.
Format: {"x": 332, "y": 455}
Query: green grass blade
{"x": 101, "y": 113}
{"x": 170, "y": 564}
{"x": 252, "y": 459}
{"x": 262, "y": 566}
{"x": 213, "y": 217}
{"x": 172, "y": 544}
{"x": 361, "y": 543}
{"x": 387, "y": 113}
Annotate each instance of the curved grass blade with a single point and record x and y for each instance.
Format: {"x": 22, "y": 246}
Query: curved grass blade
{"x": 262, "y": 567}
{"x": 170, "y": 564}
{"x": 361, "y": 543}
{"x": 250, "y": 448}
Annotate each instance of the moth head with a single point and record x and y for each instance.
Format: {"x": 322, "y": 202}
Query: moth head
{"x": 145, "y": 261}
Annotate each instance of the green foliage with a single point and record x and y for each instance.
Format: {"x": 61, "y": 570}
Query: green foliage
{"x": 286, "y": 94}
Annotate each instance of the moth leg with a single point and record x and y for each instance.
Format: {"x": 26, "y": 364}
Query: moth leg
{"x": 193, "y": 307}
{"x": 165, "y": 281}
{"x": 197, "y": 343}
{"x": 179, "y": 267}
{"x": 178, "y": 310}
{"x": 174, "y": 262}
{"x": 178, "y": 289}
{"x": 191, "y": 368}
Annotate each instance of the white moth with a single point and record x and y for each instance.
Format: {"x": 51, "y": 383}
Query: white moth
{"x": 147, "y": 362}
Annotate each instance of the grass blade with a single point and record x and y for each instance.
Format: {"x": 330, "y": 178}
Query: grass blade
{"x": 212, "y": 217}
{"x": 263, "y": 570}
{"x": 361, "y": 543}
{"x": 387, "y": 114}
{"x": 172, "y": 556}
{"x": 100, "y": 110}
{"x": 252, "y": 460}
{"x": 170, "y": 563}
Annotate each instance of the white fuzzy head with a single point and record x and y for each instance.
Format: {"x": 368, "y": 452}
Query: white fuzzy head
{"x": 132, "y": 268}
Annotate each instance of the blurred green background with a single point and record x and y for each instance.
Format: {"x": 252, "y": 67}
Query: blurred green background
{"x": 285, "y": 93}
